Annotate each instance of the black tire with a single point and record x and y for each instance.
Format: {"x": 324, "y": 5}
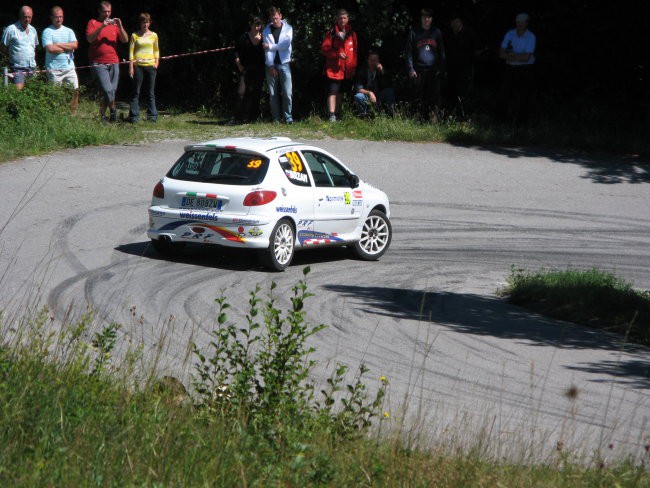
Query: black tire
{"x": 167, "y": 248}
{"x": 375, "y": 237}
{"x": 282, "y": 246}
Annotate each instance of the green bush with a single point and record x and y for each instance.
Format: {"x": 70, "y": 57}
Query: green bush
{"x": 590, "y": 297}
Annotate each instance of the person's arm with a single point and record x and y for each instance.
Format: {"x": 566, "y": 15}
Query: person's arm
{"x": 326, "y": 47}
{"x": 156, "y": 51}
{"x": 284, "y": 42}
{"x": 124, "y": 37}
{"x": 132, "y": 55}
{"x": 93, "y": 34}
{"x": 409, "y": 55}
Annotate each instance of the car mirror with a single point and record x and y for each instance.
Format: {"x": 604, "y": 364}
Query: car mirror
{"x": 354, "y": 180}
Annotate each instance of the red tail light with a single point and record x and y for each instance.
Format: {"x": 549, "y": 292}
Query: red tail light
{"x": 159, "y": 190}
{"x": 259, "y": 197}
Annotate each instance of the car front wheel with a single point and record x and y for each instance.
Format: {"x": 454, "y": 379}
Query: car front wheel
{"x": 281, "y": 247}
{"x": 375, "y": 237}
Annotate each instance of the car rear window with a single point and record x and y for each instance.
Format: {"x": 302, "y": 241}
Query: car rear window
{"x": 225, "y": 167}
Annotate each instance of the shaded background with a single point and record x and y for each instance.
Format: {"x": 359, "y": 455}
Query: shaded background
{"x": 592, "y": 57}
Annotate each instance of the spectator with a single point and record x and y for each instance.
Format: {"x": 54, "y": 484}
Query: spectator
{"x": 249, "y": 58}
{"x": 60, "y": 43}
{"x": 277, "y": 38}
{"x": 518, "y": 51}
{"x": 340, "y": 50}
{"x": 144, "y": 57}
{"x": 103, "y": 35}
{"x": 19, "y": 40}
{"x": 373, "y": 87}
{"x": 461, "y": 47}
{"x": 425, "y": 61}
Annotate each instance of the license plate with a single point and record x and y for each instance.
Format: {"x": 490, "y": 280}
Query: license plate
{"x": 197, "y": 202}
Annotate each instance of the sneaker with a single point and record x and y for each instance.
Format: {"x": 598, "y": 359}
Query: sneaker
{"x": 332, "y": 117}
{"x": 113, "y": 116}
{"x": 289, "y": 121}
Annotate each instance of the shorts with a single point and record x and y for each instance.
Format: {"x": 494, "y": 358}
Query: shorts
{"x": 59, "y": 76}
{"x": 334, "y": 87}
{"x": 21, "y": 74}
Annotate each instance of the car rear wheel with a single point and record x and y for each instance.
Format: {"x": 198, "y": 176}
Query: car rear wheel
{"x": 167, "y": 247}
{"x": 281, "y": 248}
{"x": 375, "y": 237}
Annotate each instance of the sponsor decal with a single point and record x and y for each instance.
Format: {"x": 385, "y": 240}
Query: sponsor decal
{"x": 193, "y": 234}
{"x": 156, "y": 213}
{"x": 294, "y": 175}
{"x": 357, "y": 203}
{"x": 336, "y": 198}
{"x": 209, "y": 216}
{"x": 240, "y": 232}
{"x": 237, "y": 220}
{"x": 225, "y": 233}
{"x": 308, "y": 238}
{"x": 305, "y": 223}
{"x": 291, "y": 209}
{"x": 255, "y": 232}
{"x": 357, "y": 194}
{"x": 346, "y": 195}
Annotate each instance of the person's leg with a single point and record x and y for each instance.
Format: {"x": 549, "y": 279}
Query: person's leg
{"x": 20, "y": 75}
{"x": 386, "y": 99}
{"x": 285, "y": 79}
{"x": 255, "y": 94}
{"x": 333, "y": 87}
{"x": 70, "y": 77}
{"x": 134, "y": 104}
{"x": 114, "y": 72}
{"x": 361, "y": 103}
{"x": 152, "y": 111}
{"x": 274, "y": 94}
{"x": 100, "y": 73}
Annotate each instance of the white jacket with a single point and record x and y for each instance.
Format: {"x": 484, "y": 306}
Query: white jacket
{"x": 283, "y": 47}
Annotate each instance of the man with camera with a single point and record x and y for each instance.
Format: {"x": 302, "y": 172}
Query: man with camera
{"x": 103, "y": 35}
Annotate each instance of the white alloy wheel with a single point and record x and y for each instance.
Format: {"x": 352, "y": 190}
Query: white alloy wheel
{"x": 281, "y": 246}
{"x": 375, "y": 237}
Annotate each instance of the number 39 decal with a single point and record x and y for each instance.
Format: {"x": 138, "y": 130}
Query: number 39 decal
{"x": 254, "y": 163}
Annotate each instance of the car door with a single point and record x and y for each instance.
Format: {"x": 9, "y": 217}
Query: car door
{"x": 334, "y": 215}
{"x": 298, "y": 194}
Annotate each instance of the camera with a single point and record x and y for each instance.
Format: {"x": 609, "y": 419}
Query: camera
{"x": 110, "y": 21}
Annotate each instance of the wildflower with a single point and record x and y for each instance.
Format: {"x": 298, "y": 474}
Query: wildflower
{"x": 386, "y": 415}
{"x": 383, "y": 379}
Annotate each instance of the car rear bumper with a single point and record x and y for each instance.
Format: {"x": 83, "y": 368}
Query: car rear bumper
{"x": 250, "y": 231}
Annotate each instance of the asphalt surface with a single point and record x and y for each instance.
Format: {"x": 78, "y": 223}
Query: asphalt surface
{"x": 462, "y": 363}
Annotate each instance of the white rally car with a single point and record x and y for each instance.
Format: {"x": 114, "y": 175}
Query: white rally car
{"x": 273, "y": 195}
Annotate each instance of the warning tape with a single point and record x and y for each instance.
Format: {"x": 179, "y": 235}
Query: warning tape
{"x": 171, "y": 56}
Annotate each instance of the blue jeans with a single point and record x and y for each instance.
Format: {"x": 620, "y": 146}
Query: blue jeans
{"x": 385, "y": 100}
{"x": 141, "y": 72}
{"x": 277, "y": 83}
{"x": 107, "y": 75}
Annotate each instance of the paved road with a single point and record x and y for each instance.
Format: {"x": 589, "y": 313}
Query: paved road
{"x": 72, "y": 234}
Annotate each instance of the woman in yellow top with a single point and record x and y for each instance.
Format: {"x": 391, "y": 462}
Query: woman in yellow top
{"x": 144, "y": 57}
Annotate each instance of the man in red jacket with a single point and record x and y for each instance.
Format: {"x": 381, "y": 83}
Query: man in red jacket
{"x": 340, "y": 50}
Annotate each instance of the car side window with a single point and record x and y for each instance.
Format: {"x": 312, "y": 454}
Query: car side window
{"x": 326, "y": 171}
{"x": 294, "y": 168}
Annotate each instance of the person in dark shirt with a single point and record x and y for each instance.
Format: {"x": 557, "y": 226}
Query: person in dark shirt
{"x": 373, "y": 88}
{"x": 249, "y": 58}
{"x": 425, "y": 62}
{"x": 461, "y": 47}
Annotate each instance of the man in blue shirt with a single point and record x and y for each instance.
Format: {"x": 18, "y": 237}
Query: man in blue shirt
{"x": 59, "y": 43}
{"x": 19, "y": 40}
{"x": 518, "y": 51}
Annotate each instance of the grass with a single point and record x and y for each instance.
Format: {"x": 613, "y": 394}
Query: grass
{"x": 73, "y": 415}
{"x": 37, "y": 121}
{"x": 593, "y": 297}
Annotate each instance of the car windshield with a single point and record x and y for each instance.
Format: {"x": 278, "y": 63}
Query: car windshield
{"x": 214, "y": 166}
